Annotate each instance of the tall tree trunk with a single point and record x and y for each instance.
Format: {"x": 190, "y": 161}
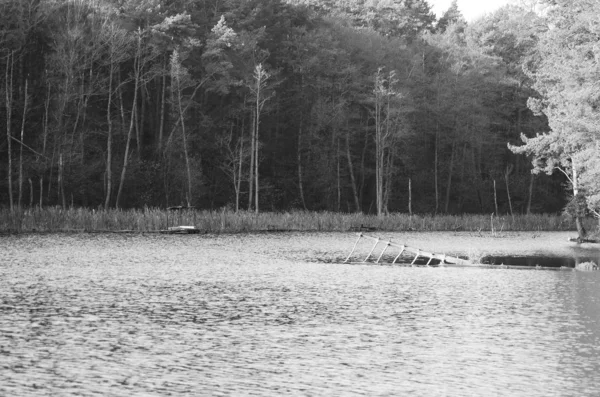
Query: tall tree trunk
{"x": 496, "y": 199}
{"x": 22, "y": 142}
{"x": 109, "y": 141}
{"x": 450, "y": 170}
{"x": 351, "y": 172}
{"x": 61, "y": 180}
{"x": 139, "y": 123}
{"x": 137, "y": 71}
{"x": 41, "y": 191}
{"x": 185, "y": 145}
{"x": 46, "y": 121}
{"x": 378, "y": 156}
{"x": 339, "y": 187}
{"x": 387, "y": 183}
{"x": 435, "y": 168}
{"x": 30, "y": 192}
{"x": 409, "y": 196}
{"x": 507, "y": 172}
{"x": 581, "y": 232}
{"x": 251, "y": 171}
{"x": 258, "y": 76}
{"x": 90, "y": 92}
{"x": 50, "y": 178}
{"x": 362, "y": 165}
{"x": 161, "y": 126}
{"x": 256, "y": 167}
{"x": 240, "y": 169}
{"x": 299, "y": 160}
{"x": 9, "y": 97}
{"x": 530, "y": 195}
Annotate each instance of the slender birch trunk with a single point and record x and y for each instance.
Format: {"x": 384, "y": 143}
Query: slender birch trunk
{"x": 410, "y": 196}
{"x": 109, "y": 141}
{"x": 339, "y": 187}
{"x": 30, "y": 192}
{"x": 581, "y": 232}
{"x": 41, "y": 191}
{"x": 251, "y": 171}
{"x": 61, "y": 180}
{"x": 177, "y": 92}
{"x": 238, "y": 186}
{"x": 450, "y": 170}
{"x": 161, "y": 126}
{"x": 496, "y": 199}
{"x": 530, "y": 195}
{"x": 435, "y": 168}
{"x": 22, "y": 142}
{"x": 137, "y": 71}
{"x": 257, "y": 126}
{"x": 506, "y": 176}
{"x": 351, "y": 172}
{"x": 299, "y": 161}
{"x": 9, "y": 97}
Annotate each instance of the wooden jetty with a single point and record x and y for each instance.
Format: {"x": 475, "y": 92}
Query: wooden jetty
{"x": 432, "y": 259}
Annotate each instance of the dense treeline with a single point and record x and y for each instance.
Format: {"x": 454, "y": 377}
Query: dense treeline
{"x": 335, "y": 105}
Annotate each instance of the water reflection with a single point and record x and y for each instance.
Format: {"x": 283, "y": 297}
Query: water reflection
{"x": 152, "y": 316}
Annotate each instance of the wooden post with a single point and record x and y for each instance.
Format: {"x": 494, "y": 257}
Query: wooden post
{"x": 353, "y": 248}
{"x": 372, "y": 249}
{"x": 398, "y": 256}
{"x": 417, "y": 256}
{"x": 382, "y": 252}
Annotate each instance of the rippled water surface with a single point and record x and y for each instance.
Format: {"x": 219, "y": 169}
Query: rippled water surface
{"x": 267, "y": 315}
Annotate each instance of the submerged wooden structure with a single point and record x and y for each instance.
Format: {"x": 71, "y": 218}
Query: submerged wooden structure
{"x": 400, "y": 249}
{"x": 396, "y": 250}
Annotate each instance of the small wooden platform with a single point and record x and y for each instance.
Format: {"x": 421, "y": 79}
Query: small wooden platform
{"x": 180, "y": 230}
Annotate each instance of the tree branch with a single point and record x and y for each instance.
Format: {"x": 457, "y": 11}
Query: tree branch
{"x": 24, "y": 145}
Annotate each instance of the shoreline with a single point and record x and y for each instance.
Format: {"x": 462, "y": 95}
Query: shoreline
{"x": 154, "y": 220}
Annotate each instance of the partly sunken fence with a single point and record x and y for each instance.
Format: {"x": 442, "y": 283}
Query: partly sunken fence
{"x": 383, "y": 250}
{"x": 398, "y": 250}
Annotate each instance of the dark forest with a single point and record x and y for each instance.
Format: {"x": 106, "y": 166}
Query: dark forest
{"x": 271, "y": 105}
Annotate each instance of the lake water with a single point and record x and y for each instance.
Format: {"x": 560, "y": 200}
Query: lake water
{"x": 271, "y": 315}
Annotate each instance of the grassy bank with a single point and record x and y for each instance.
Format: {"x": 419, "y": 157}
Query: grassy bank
{"x": 153, "y": 220}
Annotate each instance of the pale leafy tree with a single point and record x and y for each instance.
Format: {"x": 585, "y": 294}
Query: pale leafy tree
{"x": 567, "y": 79}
